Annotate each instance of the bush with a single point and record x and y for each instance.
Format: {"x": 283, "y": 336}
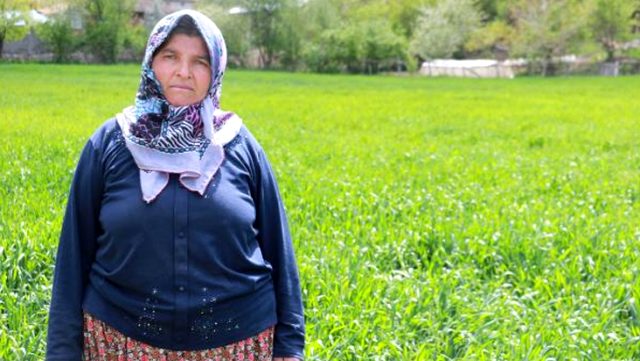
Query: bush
{"x": 102, "y": 39}
{"x": 443, "y": 29}
{"x": 59, "y": 36}
{"x": 363, "y": 47}
{"x": 134, "y": 42}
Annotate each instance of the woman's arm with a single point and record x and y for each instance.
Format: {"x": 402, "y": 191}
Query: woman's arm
{"x": 75, "y": 255}
{"x": 277, "y": 249}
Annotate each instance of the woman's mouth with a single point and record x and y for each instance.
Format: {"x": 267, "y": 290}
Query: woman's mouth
{"x": 181, "y": 87}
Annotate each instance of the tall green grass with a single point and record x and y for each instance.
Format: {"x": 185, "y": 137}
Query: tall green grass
{"x": 433, "y": 219}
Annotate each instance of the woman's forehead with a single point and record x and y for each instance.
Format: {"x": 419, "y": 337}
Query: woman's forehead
{"x": 186, "y": 43}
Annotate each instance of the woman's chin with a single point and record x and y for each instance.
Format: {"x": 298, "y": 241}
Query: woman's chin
{"x": 181, "y": 101}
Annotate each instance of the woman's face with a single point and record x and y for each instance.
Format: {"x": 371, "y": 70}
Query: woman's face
{"x": 183, "y": 70}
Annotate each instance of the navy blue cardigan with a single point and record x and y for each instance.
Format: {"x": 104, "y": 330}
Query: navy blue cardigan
{"x": 185, "y": 272}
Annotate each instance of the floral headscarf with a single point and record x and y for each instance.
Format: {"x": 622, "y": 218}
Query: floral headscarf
{"x": 186, "y": 140}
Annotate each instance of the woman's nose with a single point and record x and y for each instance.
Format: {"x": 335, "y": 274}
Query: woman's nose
{"x": 184, "y": 69}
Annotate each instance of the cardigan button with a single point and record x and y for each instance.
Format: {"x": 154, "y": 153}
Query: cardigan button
{"x": 181, "y": 288}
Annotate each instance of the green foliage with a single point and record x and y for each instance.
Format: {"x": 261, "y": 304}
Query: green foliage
{"x": 544, "y": 30}
{"x": 274, "y": 28}
{"x": 443, "y": 29}
{"x": 402, "y": 14}
{"x": 106, "y": 23}
{"x": 490, "y": 8}
{"x": 327, "y": 35}
{"x": 336, "y": 50}
{"x": 635, "y": 18}
{"x": 267, "y": 20}
{"x": 357, "y": 48}
{"x": 319, "y": 16}
{"x": 309, "y": 34}
{"x": 59, "y": 36}
{"x": 12, "y": 13}
{"x": 492, "y": 37}
{"x": 610, "y": 24}
{"x": 290, "y": 38}
{"x": 103, "y": 41}
{"x": 236, "y": 31}
{"x": 135, "y": 41}
{"x": 383, "y": 48}
{"x": 633, "y": 53}
{"x": 277, "y": 29}
{"x": 433, "y": 219}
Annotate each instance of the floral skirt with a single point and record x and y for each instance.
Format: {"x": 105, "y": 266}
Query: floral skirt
{"x": 104, "y": 343}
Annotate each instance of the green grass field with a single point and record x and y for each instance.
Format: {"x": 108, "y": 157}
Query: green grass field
{"x": 433, "y": 219}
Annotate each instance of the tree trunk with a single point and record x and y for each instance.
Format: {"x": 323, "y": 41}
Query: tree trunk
{"x": 262, "y": 56}
{"x": 610, "y": 68}
{"x": 1, "y": 43}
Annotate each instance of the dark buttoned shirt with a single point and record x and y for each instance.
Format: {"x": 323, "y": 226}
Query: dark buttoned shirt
{"x": 184, "y": 272}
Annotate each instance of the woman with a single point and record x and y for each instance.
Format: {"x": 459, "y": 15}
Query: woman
{"x": 175, "y": 244}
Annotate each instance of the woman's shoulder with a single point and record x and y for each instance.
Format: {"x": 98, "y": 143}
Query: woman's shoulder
{"x": 246, "y": 140}
{"x": 106, "y": 135}
{"x": 106, "y": 128}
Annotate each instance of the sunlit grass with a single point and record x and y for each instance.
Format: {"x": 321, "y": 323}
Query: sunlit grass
{"x": 433, "y": 219}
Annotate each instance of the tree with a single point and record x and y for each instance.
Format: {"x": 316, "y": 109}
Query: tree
{"x": 14, "y": 20}
{"x": 635, "y": 19}
{"x": 401, "y": 14}
{"x": 106, "y": 24}
{"x": 360, "y": 47}
{"x": 266, "y": 21}
{"x": 336, "y": 49}
{"x": 274, "y": 28}
{"x": 320, "y": 17}
{"x": 134, "y": 42}
{"x": 58, "y": 34}
{"x": 547, "y": 28}
{"x": 610, "y": 23}
{"x": 236, "y": 31}
{"x": 382, "y": 46}
{"x": 490, "y": 8}
{"x": 404, "y": 14}
{"x": 289, "y": 37}
{"x": 443, "y": 29}
{"x": 494, "y": 38}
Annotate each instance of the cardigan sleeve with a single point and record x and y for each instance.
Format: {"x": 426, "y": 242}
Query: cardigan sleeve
{"x": 277, "y": 248}
{"x": 73, "y": 261}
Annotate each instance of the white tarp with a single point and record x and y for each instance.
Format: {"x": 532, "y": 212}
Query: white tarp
{"x": 474, "y": 68}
